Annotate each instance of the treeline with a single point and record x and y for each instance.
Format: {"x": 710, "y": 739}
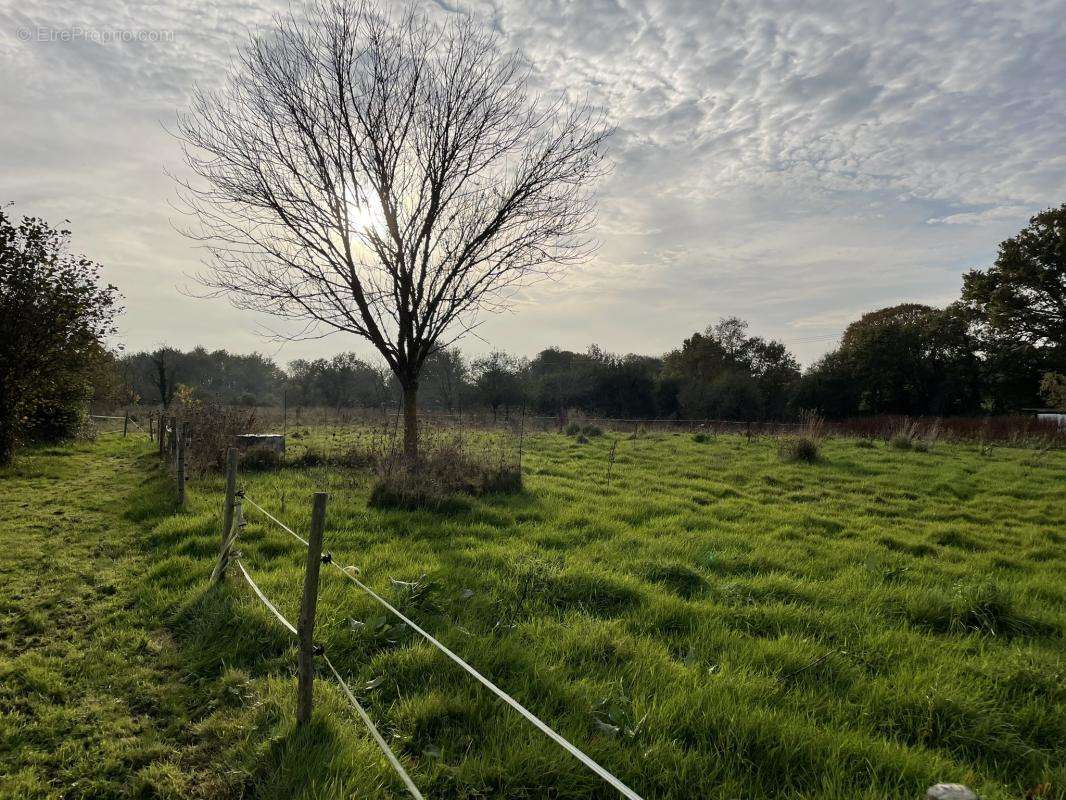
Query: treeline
{"x": 999, "y": 348}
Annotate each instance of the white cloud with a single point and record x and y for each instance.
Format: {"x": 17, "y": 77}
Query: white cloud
{"x": 789, "y": 162}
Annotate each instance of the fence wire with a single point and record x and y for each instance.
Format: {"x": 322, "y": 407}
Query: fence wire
{"x": 492, "y": 687}
{"x": 374, "y": 733}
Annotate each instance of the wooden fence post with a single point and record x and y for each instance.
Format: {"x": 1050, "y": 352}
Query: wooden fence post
{"x": 180, "y": 464}
{"x": 151, "y": 427}
{"x": 125, "y": 423}
{"x": 306, "y": 627}
{"x": 161, "y": 441}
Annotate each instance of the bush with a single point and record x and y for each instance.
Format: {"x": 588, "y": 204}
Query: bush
{"x": 212, "y": 430}
{"x": 260, "y": 458}
{"x": 573, "y": 429}
{"x": 900, "y": 442}
{"x": 807, "y": 445}
{"x": 441, "y": 473}
{"x": 701, "y": 438}
{"x": 802, "y": 448}
{"x": 592, "y": 430}
{"x": 56, "y": 419}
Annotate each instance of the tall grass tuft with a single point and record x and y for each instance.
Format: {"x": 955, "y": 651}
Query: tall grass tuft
{"x": 806, "y": 446}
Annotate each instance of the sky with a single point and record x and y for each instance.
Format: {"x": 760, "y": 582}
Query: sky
{"x": 795, "y": 164}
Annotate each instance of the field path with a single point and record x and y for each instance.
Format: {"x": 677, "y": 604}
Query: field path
{"x": 89, "y": 689}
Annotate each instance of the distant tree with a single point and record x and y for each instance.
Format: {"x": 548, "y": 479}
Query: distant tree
{"x": 111, "y": 381}
{"x": 907, "y": 359}
{"x": 498, "y": 382}
{"x": 1023, "y": 294}
{"x": 1053, "y": 390}
{"x": 828, "y": 387}
{"x": 379, "y": 174}
{"x": 163, "y": 373}
{"x": 624, "y": 386}
{"x": 445, "y": 379}
{"x": 560, "y": 379}
{"x": 54, "y": 316}
{"x": 912, "y": 359}
{"x": 725, "y": 373}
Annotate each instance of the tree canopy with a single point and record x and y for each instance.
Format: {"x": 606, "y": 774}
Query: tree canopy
{"x": 55, "y": 315}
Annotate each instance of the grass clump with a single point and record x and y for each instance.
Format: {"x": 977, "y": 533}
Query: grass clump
{"x": 587, "y": 430}
{"x": 260, "y": 458}
{"x": 701, "y": 438}
{"x": 441, "y": 475}
{"x": 806, "y": 446}
{"x": 985, "y": 608}
{"x": 801, "y": 448}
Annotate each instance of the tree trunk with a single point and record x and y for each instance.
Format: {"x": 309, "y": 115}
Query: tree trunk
{"x": 410, "y": 423}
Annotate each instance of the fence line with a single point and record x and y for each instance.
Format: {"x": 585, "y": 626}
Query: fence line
{"x": 378, "y": 738}
{"x": 381, "y": 743}
{"x": 517, "y": 706}
{"x": 304, "y": 633}
{"x": 275, "y": 519}
{"x": 264, "y": 598}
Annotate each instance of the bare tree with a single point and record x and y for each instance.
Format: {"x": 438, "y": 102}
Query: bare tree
{"x": 388, "y": 176}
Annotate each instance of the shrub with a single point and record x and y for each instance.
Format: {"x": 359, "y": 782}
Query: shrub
{"x": 573, "y": 429}
{"x": 901, "y": 442}
{"x": 442, "y": 472}
{"x": 807, "y": 445}
{"x": 260, "y": 458}
{"x": 802, "y": 448}
{"x": 56, "y": 418}
{"x": 701, "y": 438}
{"x": 592, "y": 430}
{"x": 212, "y": 430}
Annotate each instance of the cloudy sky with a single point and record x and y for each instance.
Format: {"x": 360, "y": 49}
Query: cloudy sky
{"x": 795, "y": 164}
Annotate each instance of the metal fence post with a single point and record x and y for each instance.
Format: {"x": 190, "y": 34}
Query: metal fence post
{"x": 306, "y": 626}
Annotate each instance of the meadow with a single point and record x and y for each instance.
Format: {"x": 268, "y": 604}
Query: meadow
{"x": 715, "y": 623}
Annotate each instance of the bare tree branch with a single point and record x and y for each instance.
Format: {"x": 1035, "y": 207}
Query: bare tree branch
{"x": 385, "y": 176}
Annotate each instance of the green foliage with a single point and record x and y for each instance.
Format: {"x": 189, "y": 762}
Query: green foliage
{"x": 1023, "y": 295}
{"x": 1053, "y": 390}
{"x": 723, "y": 373}
{"x": 54, "y": 315}
{"x": 908, "y": 359}
{"x": 259, "y": 458}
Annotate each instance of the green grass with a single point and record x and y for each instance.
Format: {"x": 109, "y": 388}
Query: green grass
{"x": 717, "y": 624}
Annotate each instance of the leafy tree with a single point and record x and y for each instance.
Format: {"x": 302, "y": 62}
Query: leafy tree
{"x": 445, "y": 379}
{"x": 725, "y": 373}
{"x": 1023, "y": 294}
{"x": 163, "y": 373}
{"x": 905, "y": 359}
{"x": 1053, "y": 390}
{"x": 498, "y": 381}
{"x": 828, "y": 387}
{"x": 54, "y": 315}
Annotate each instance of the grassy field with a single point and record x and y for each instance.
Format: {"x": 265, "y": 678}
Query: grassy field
{"x": 716, "y": 624}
